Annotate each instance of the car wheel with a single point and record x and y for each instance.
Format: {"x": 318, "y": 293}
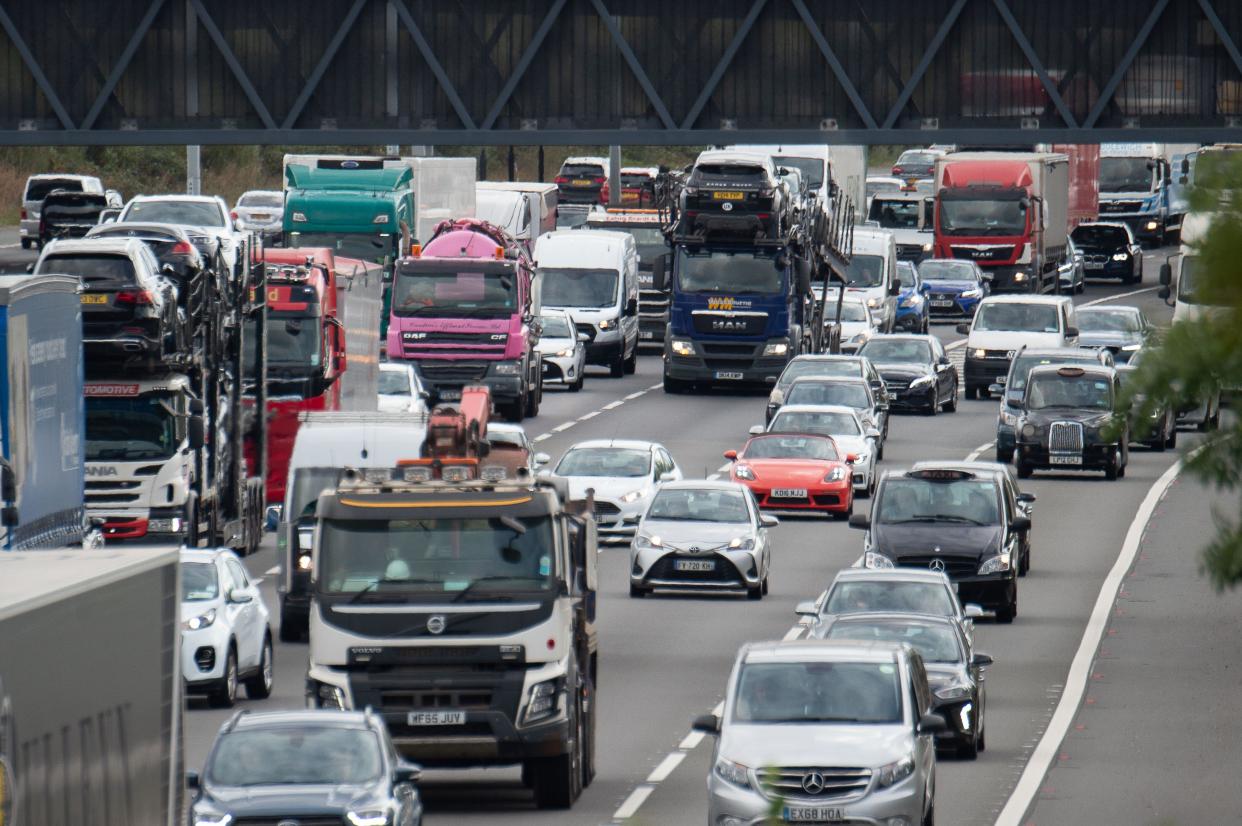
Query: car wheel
{"x": 969, "y": 750}
{"x": 636, "y": 592}
{"x": 765, "y": 586}
{"x": 225, "y": 693}
{"x": 617, "y": 368}
{"x": 933, "y": 407}
{"x": 1171, "y": 441}
{"x": 1024, "y": 564}
{"x": 1024, "y": 470}
{"x": 1004, "y": 456}
{"x": 517, "y": 410}
{"x": 26, "y": 243}
{"x": 983, "y": 734}
{"x": 1006, "y": 613}
{"x": 259, "y": 687}
{"x": 631, "y": 363}
{"x": 972, "y": 391}
{"x": 930, "y": 818}
{"x": 558, "y": 780}
{"x": 950, "y": 406}
{"x": 534, "y": 398}
{"x": 291, "y": 629}
{"x": 879, "y": 451}
{"x": 1112, "y": 470}
{"x": 577, "y": 385}
{"x": 755, "y": 593}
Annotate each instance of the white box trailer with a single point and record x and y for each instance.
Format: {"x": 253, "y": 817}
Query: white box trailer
{"x": 90, "y": 687}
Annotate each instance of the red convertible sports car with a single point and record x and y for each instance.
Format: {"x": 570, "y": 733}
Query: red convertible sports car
{"x": 795, "y": 472}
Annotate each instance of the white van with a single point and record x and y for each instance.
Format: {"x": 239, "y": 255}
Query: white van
{"x": 872, "y": 275}
{"x": 1179, "y": 280}
{"x": 37, "y": 188}
{"x": 593, "y": 274}
{"x": 525, "y": 209}
{"x": 1004, "y": 323}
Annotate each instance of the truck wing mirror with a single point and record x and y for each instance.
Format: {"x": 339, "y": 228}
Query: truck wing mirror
{"x": 1071, "y": 332}
{"x": 1166, "y": 274}
{"x": 195, "y": 432}
{"x": 894, "y": 288}
{"x": 1166, "y": 294}
{"x": 9, "y": 516}
{"x": 659, "y": 273}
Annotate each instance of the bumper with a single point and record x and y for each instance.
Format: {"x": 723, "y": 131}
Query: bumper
{"x": 503, "y": 388}
{"x": 705, "y": 367}
{"x": 203, "y": 656}
{"x": 1094, "y": 457}
{"x": 834, "y": 498}
{"x": 560, "y": 370}
{"x": 979, "y": 372}
{"x": 605, "y": 351}
{"x": 154, "y": 525}
{"x": 28, "y": 229}
{"x": 992, "y": 591}
{"x": 585, "y": 195}
{"x": 731, "y": 570}
{"x": 957, "y": 308}
{"x": 1111, "y": 269}
{"x": 920, "y": 398}
{"x": 880, "y": 807}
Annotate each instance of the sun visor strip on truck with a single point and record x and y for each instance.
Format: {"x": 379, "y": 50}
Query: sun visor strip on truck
{"x": 979, "y": 192}
{"x": 439, "y": 265}
{"x": 401, "y": 506}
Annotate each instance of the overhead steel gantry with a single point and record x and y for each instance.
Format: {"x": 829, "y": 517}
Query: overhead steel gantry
{"x": 618, "y": 71}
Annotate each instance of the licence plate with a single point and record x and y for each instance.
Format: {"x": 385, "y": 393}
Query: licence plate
{"x": 728, "y": 375}
{"x": 648, "y": 334}
{"x": 789, "y": 493}
{"x": 728, "y": 196}
{"x": 581, "y": 182}
{"x": 627, "y": 197}
{"x": 1095, "y": 265}
{"x": 603, "y": 517}
{"x": 694, "y": 565}
{"x": 94, "y": 298}
{"x": 450, "y": 395}
{"x": 939, "y": 302}
{"x": 1065, "y": 460}
{"x": 260, "y": 216}
{"x": 435, "y": 718}
{"x": 819, "y": 814}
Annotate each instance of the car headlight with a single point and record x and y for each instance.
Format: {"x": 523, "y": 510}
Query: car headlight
{"x": 979, "y": 353}
{"x": 776, "y": 348}
{"x": 1008, "y": 419}
{"x": 1019, "y": 276}
{"x": 563, "y": 354}
{"x": 507, "y": 368}
{"x": 974, "y": 292}
{"x": 607, "y": 323}
{"x": 776, "y": 397}
{"x": 879, "y": 561}
{"x": 895, "y": 772}
{"x": 633, "y": 496}
{"x": 648, "y": 543}
{"x": 212, "y": 819}
{"x": 732, "y": 772}
{"x": 1130, "y": 348}
{"x": 837, "y": 474}
{"x": 375, "y": 818}
{"x": 742, "y": 543}
{"x": 744, "y": 472}
{"x": 995, "y": 564}
{"x": 954, "y": 691}
{"x": 203, "y": 620}
{"x": 1152, "y": 224}
{"x": 1121, "y": 256}
{"x": 921, "y": 381}
{"x": 912, "y": 300}
{"x": 873, "y": 303}
{"x": 542, "y": 701}
{"x": 304, "y": 562}
{"x": 681, "y": 348}
{"x": 858, "y": 339}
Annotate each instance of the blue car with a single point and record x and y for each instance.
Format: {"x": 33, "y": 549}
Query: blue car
{"x": 953, "y": 288}
{"x": 912, "y": 314}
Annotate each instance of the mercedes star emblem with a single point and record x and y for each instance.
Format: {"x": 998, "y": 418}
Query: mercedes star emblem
{"x": 936, "y": 565}
{"x": 812, "y": 782}
{"x": 436, "y": 623}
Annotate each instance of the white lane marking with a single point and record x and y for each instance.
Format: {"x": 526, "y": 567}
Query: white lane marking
{"x": 691, "y": 741}
{"x": 719, "y": 709}
{"x": 590, "y": 415}
{"x": 953, "y": 345}
{"x": 563, "y": 426}
{"x": 541, "y": 437}
{"x": 720, "y": 471}
{"x": 613, "y": 405}
{"x": 633, "y": 396}
{"x": 272, "y": 571}
{"x": 1116, "y": 296}
{"x": 792, "y": 633}
{"x": 631, "y": 804}
{"x": 974, "y": 454}
{"x": 657, "y": 386}
{"x": 662, "y": 771}
{"x": 1080, "y": 668}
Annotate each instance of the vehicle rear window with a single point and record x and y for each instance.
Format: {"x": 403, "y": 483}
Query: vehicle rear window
{"x": 38, "y": 189}
{"x": 728, "y": 170}
{"x": 582, "y": 170}
{"x": 91, "y": 268}
{"x": 1089, "y": 236}
{"x": 192, "y": 213}
{"x": 628, "y": 179}
{"x": 262, "y": 199}
{"x": 817, "y": 367}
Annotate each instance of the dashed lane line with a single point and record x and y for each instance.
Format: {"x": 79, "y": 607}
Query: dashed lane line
{"x": 613, "y": 405}
{"x": 542, "y": 437}
{"x": 590, "y": 415}
{"x": 563, "y": 426}
{"x": 974, "y": 454}
{"x": 633, "y": 396}
{"x": 272, "y": 571}
{"x": 691, "y": 741}
{"x": 670, "y": 762}
{"x": 632, "y": 803}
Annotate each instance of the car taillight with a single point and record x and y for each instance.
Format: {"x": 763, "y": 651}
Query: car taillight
{"x": 135, "y": 297}
{"x": 561, "y": 179}
{"x": 23, "y": 213}
{"x": 183, "y": 248}
{"x": 599, "y": 180}
{"x": 233, "y": 215}
{"x": 897, "y": 170}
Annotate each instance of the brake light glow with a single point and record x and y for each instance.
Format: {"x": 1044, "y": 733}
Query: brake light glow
{"x": 142, "y": 297}
{"x": 560, "y": 179}
{"x": 183, "y": 248}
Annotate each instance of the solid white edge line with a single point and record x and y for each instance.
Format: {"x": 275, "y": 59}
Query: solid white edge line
{"x": 974, "y": 454}
{"x": 661, "y": 772}
{"x": 1045, "y": 753}
{"x": 691, "y": 741}
{"x": 633, "y": 802}
{"x": 792, "y": 633}
{"x": 657, "y": 386}
{"x": 1109, "y": 298}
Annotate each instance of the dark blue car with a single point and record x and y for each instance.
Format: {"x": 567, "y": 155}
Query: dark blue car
{"x": 953, "y": 288}
{"x": 911, "y": 302}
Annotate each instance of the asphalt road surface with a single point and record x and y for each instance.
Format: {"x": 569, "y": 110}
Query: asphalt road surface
{"x": 665, "y": 659}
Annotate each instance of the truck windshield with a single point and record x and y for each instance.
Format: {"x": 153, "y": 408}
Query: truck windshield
{"x": 364, "y": 246}
{"x": 1126, "y": 175}
{"x": 129, "y": 429}
{"x": 865, "y": 271}
{"x": 419, "y": 291}
{"x": 720, "y": 271}
{"x": 812, "y": 169}
{"x": 436, "y": 556}
{"x": 968, "y": 216}
{"x": 895, "y": 214}
{"x": 579, "y": 288}
{"x": 293, "y": 341}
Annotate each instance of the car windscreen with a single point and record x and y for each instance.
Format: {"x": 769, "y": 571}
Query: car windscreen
{"x": 394, "y": 383}
{"x": 92, "y": 268}
{"x": 556, "y": 326}
{"x": 812, "y": 169}
{"x": 790, "y": 447}
{"x": 435, "y": 555}
{"x": 189, "y": 213}
{"x": 947, "y": 271}
{"x": 894, "y": 351}
{"x": 699, "y": 505}
{"x": 846, "y": 394}
{"x": 818, "y": 692}
{"x": 38, "y": 189}
{"x": 1022, "y": 365}
{"x": 605, "y": 461}
{"x": 731, "y": 273}
{"x": 964, "y": 501}
{"x": 936, "y": 643}
{"x": 1098, "y": 236}
{"x": 893, "y": 213}
{"x": 1018, "y": 318}
{"x": 1051, "y": 390}
{"x": 199, "y": 582}
{"x": 850, "y": 311}
{"x": 902, "y": 597}
{"x": 579, "y": 287}
{"x": 1126, "y": 174}
{"x": 292, "y": 755}
{"x": 1108, "y": 321}
{"x": 906, "y": 274}
{"x": 806, "y": 421}
{"x": 262, "y": 199}
{"x": 865, "y": 271}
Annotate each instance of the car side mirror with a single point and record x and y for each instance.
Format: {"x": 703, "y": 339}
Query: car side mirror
{"x": 168, "y": 269}
{"x": 807, "y": 609}
{"x": 542, "y": 458}
{"x": 996, "y": 388}
{"x": 972, "y": 611}
{"x": 631, "y": 307}
{"x": 1166, "y": 274}
{"x": 851, "y": 458}
{"x": 583, "y": 337}
{"x": 932, "y": 724}
{"x": 894, "y": 288}
{"x": 1021, "y": 523}
{"x": 767, "y": 520}
{"x": 237, "y": 597}
{"x": 1027, "y": 498}
{"x": 731, "y": 455}
{"x": 1071, "y": 332}
{"x": 860, "y": 521}
{"x": 191, "y": 780}
{"x": 195, "y": 432}
{"x": 407, "y": 773}
{"x": 980, "y": 660}
{"x": 872, "y": 433}
{"x": 963, "y": 328}
{"x": 706, "y": 723}
{"x": 756, "y": 430}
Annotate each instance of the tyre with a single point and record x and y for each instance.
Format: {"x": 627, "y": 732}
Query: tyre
{"x": 533, "y": 399}
{"x": 616, "y": 369}
{"x": 636, "y": 592}
{"x": 930, "y": 818}
{"x": 879, "y": 450}
{"x": 631, "y": 363}
{"x": 577, "y": 385}
{"x": 968, "y": 750}
{"x": 259, "y": 686}
{"x": 1004, "y": 456}
{"x": 1082, "y": 286}
{"x": 765, "y": 586}
{"x": 1006, "y": 613}
{"x": 972, "y": 391}
{"x": 26, "y": 243}
{"x": 558, "y": 780}
{"x": 841, "y": 516}
{"x": 1024, "y": 470}
{"x": 950, "y": 406}
{"x": 517, "y": 410}
{"x": 1171, "y": 441}
{"x": 933, "y": 408}
{"x": 224, "y": 695}
{"x": 1112, "y": 470}
{"x": 1024, "y": 562}
{"x": 755, "y": 593}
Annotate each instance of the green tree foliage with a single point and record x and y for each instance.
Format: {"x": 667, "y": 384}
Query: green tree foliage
{"x": 1202, "y": 358}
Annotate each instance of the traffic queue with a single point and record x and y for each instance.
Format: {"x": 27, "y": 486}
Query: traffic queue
{"x": 398, "y": 330}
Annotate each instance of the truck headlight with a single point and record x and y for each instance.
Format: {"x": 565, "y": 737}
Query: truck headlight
{"x": 1019, "y": 276}
{"x": 329, "y": 696}
{"x": 895, "y": 772}
{"x": 204, "y": 620}
{"x": 731, "y": 772}
{"x": 369, "y": 818}
{"x": 607, "y": 323}
{"x": 173, "y": 525}
{"x": 776, "y": 348}
{"x": 542, "y": 701}
{"x": 1151, "y": 225}
{"x": 879, "y": 561}
{"x": 995, "y": 564}
{"x": 507, "y": 368}
{"x": 744, "y": 472}
{"x": 682, "y": 348}
{"x": 979, "y": 353}
{"x": 873, "y": 303}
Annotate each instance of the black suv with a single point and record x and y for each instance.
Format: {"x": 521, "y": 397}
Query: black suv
{"x": 306, "y": 767}
{"x": 959, "y": 522}
{"x": 736, "y": 193}
{"x": 581, "y": 180}
{"x": 1072, "y": 420}
{"x": 1109, "y": 251}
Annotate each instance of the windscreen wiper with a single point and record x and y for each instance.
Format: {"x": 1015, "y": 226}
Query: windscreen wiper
{"x": 374, "y": 584}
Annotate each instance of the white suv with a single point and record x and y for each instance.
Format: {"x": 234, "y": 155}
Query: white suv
{"x": 226, "y": 634}
{"x": 1002, "y": 325}
{"x": 201, "y": 215}
{"x": 828, "y": 731}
